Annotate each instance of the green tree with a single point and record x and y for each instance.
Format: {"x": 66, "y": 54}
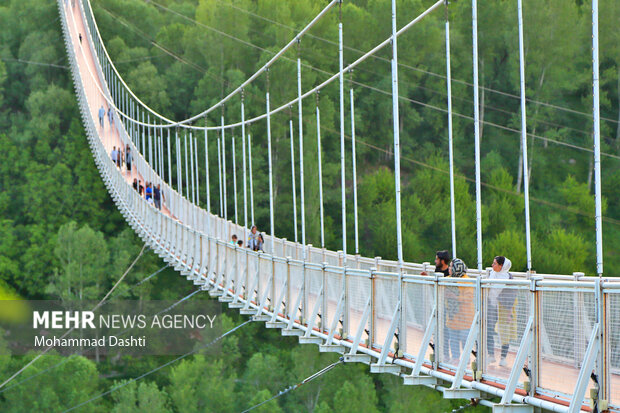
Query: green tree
{"x": 70, "y": 383}
{"x": 197, "y": 385}
{"x": 83, "y": 254}
{"x": 135, "y": 398}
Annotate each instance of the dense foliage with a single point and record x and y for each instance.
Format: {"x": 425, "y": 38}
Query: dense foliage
{"x": 62, "y": 237}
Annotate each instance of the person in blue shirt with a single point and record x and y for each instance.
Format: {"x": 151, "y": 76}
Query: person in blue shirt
{"x": 101, "y": 115}
{"x": 149, "y": 191}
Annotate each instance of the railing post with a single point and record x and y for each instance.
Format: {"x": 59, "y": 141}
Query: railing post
{"x": 321, "y": 324}
{"x": 372, "y": 327}
{"x": 438, "y": 346}
{"x": 534, "y": 358}
{"x": 479, "y": 347}
{"x": 287, "y": 299}
{"x": 603, "y": 361}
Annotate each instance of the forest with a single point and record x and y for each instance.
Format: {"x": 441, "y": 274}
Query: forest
{"x": 181, "y": 56}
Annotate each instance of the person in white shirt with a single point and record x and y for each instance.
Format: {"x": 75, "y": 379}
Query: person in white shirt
{"x": 500, "y": 299}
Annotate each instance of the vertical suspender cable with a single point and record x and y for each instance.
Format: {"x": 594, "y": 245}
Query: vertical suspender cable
{"x": 197, "y": 170}
{"x": 320, "y": 168}
{"x": 597, "y": 140}
{"x": 526, "y": 179}
{"x": 396, "y": 130}
{"x": 294, "y": 191}
{"x": 395, "y": 116}
{"x": 148, "y": 119}
{"x": 134, "y": 126}
{"x": 271, "y": 223}
{"x": 143, "y": 137}
{"x": 250, "y": 173}
{"x": 234, "y": 165}
{"x": 155, "y": 165}
{"x": 191, "y": 162}
{"x": 301, "y": 152}
{"x": 169, "y": 162}
{"x": 474, "y": 19}
{"x": 224, "y": 166}
{"x": 357, "y": 244}
{"x": 219, "y": 170}
{"x": 178, "y": 162}
{"x": 245, "y": 180}
{"x": 187, "y": 183}
{"x": 342, "y": 149}
{"x": 450, "y": 142}
{"x": 207, "y": 180}
{"x": 161, "y": 153}
{"x": 156, "y": 150}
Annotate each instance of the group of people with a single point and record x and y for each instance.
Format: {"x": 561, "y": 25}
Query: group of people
{"x": 501, "y": 304}
{"x": 255, "y": 240}
{"x": 102, "y": 113}
{"x": 152, "y": 193}
{"x": 120, "y": 157}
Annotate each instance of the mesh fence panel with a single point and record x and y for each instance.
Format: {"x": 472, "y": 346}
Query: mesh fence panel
{"x": 358, "y": 291}
{"x": 331, "y": 258}
{"x": 566, "y": 320}
{"x": 386, "y": 298}
{"x": 290, "y": 250}
{"x": 334, "y": 290}
{"x": 241, "y": 271}
{"x": 229, "y": 272}
{"x": 418, "y": 306}
{"x": 252, "y": 277}
{"x": 613, "y": 331}
{"x": 456, "y": 313}
{"x": 506, "y": 313}
{"x": 314, "y": 280}
{"x": 221, "y": 255}
{"x": 212, "y": 270}
{"x": 280, "y": 277}
{"x": 264, "y": 275}
{"x": 296, "y": 283}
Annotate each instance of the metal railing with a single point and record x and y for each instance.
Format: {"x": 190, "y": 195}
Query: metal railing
{"x": 536, "y": 340}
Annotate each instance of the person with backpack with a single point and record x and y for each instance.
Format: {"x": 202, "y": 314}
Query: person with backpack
{"x": 501, "y": 308}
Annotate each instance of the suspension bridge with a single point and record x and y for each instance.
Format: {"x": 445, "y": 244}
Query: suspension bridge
{"x": 564, "y": 355}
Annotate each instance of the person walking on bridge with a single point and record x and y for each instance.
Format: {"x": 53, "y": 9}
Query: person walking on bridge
{"x": 110, "y": 116}
{"x": 114, "y": 154}
{"x": 253, "y": 238}
{"x": 157, "y": 195}
{"x": 149, "y": 192}
{"x": 459, "y": 302}
{"x": 101, "y": 116}
{"x": 128, "y": 159}
{"x": 505, "y": 300}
